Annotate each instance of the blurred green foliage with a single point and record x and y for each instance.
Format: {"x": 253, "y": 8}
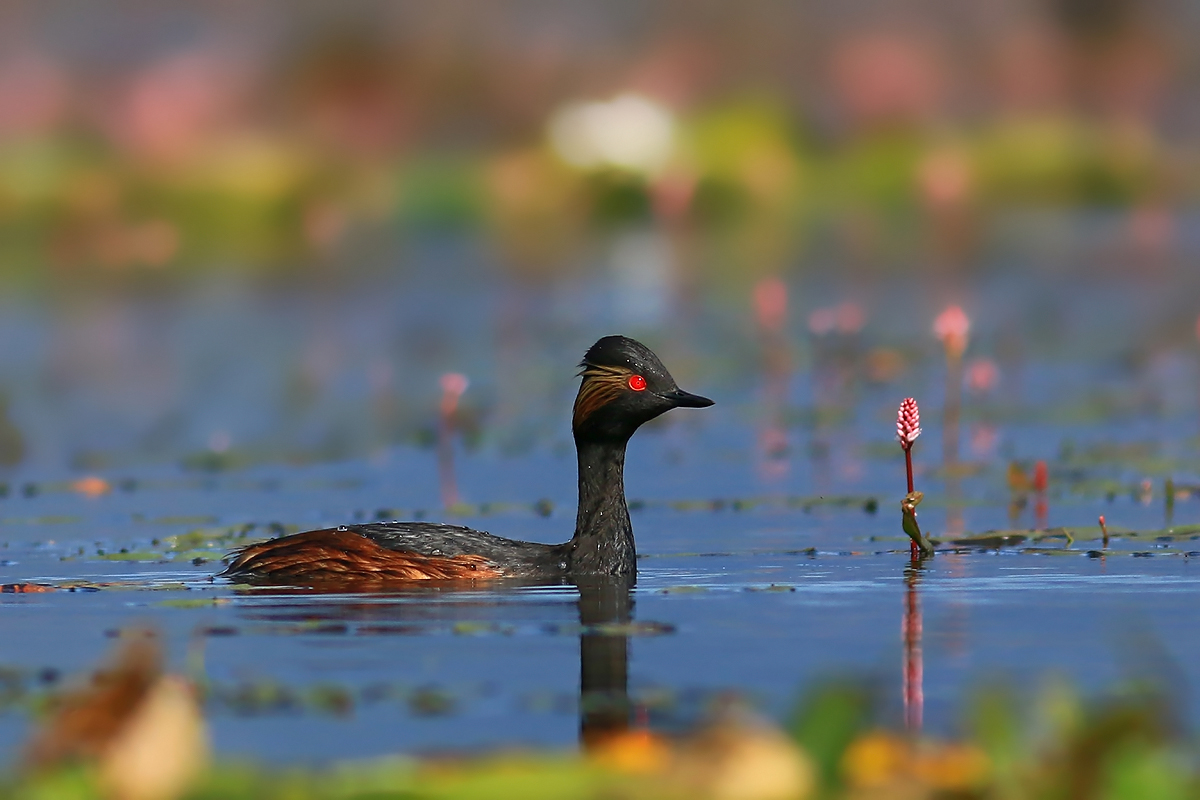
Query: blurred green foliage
{"x": 1056, "y": 746}
{"x": 747, "y": 175}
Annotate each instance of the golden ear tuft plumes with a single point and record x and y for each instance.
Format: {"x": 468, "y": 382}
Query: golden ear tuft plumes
{"x": 601, "y": 385}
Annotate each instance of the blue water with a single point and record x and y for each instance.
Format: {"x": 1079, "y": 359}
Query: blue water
{"x": 230, "y": 404}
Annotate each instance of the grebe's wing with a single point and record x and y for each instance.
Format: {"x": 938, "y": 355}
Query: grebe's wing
{"x": 440, "y": 539}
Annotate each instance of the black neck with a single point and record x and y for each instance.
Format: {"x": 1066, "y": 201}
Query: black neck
{"x": 603, "y": 540}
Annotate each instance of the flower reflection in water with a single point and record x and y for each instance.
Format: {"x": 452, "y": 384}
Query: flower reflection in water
{"x": 914, "y": 665}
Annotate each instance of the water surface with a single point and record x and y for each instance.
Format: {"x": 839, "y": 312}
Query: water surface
{"x": 772, "y": 556}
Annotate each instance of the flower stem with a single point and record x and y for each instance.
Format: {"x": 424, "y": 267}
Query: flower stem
{"x": 914, "y": 551}
{"x": 908, "y": 466}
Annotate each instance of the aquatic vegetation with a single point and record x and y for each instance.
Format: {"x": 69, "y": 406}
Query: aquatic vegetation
{"x": 137, "y": 729}
{"x": 908, "y": 428}
{"x": 148, "y": 741}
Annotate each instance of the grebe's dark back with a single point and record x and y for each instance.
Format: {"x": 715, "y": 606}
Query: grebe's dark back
{"x": 624, "y": 385}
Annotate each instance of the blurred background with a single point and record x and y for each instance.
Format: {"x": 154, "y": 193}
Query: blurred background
{"x": 179, "y": 137}
{"x": 201, "y": 198}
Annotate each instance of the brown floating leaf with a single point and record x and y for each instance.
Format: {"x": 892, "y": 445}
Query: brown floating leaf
{"x": 91, "y": 486}
{"x": 26, "y": 588}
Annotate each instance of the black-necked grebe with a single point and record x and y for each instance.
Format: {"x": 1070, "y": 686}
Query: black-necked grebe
{"x": 624, "y": 385}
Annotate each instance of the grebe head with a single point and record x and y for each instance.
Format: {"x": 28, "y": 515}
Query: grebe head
{"x": 624, "y": 385}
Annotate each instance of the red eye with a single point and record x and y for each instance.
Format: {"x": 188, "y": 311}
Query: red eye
{"x": 637, "y": 383}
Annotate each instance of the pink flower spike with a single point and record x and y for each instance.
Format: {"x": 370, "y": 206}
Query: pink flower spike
{"x": 770, "y": 304}
{"x": 952, "y": 326}
{"x": 908, "y": 423}
{"x": 850, "y": 317}
{"x": 453, "y": 385}
{"x": 822, "y": 321}
{"x": 982, "y": 375}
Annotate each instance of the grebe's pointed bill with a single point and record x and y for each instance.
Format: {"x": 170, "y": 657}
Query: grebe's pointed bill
{"x": 681, "y": 399}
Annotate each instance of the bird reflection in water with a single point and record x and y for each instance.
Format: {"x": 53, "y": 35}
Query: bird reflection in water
{"x": 605, "y": 612}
